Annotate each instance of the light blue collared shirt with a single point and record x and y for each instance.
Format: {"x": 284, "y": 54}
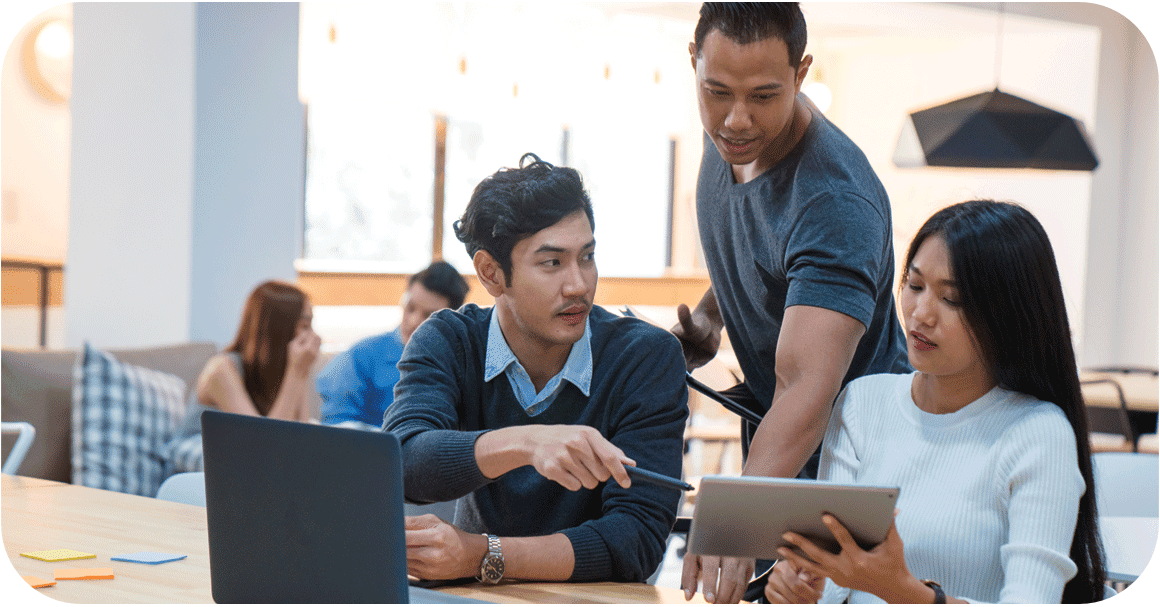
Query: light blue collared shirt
{"x": 500, "y": 358}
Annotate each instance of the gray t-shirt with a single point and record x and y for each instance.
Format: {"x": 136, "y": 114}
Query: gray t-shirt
{"x": 812, "y": 230}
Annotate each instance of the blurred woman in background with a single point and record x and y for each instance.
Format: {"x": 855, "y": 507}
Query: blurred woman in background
{"x": 266, "y": 371}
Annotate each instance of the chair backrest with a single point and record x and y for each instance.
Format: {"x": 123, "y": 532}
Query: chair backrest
{"x": 25, "y": 433}
{"x": 185, "y": 488}
{"x": 1127, "y": 484}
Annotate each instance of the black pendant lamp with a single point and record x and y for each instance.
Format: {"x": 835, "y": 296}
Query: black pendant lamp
{"x": 994, "y": 130}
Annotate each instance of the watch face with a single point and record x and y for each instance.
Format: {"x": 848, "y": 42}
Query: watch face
{"x": 492, "y": 569}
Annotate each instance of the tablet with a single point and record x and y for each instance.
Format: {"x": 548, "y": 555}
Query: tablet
{"x": 746, "y": 516}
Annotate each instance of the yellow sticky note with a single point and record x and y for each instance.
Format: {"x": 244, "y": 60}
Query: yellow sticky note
{"x": 93, "y": 573}
{"x": 60, "y": 554}
{"x": 36, "y": 582}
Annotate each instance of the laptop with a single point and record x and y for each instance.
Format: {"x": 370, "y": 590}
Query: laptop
{"x": 305, "y": 513}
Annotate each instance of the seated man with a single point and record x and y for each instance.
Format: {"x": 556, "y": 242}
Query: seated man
{"x": 526, "y": 409}
{"x": 358, "y": 385}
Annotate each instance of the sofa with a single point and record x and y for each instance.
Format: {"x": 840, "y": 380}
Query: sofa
{"x": 37, "y": 387}
{"x": 41, "y": 386}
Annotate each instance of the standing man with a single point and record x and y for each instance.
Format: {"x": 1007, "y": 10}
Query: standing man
{"x": 796, "y": 232}
{"x": 358, "y": 385}
{"x": 530, "y": 410}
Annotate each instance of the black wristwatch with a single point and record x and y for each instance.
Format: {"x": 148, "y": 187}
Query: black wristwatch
{"x": 491, "y": 568}
{"x": 940, "y": 597}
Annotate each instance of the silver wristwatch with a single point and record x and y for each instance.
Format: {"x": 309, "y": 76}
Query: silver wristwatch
{"x": 491, "y": 569}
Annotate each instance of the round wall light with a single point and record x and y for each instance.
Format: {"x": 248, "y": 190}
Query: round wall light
{"x": 46, "y": 58}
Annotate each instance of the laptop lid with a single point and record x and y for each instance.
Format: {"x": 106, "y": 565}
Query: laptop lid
{"x": 302, "y": 513}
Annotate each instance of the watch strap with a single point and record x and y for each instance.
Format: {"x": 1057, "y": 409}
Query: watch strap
{"x": 940, "y": 597}
{"x": 492, "y": 562}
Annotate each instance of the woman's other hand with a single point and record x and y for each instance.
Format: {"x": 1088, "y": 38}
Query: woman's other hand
{"x": 790, "y": 584}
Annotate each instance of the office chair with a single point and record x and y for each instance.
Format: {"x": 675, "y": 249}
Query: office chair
{"x": 25, "y": 433}
{"x": 184, "y": 488}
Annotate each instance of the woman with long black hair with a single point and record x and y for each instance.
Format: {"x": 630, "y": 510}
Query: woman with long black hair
{"x": 987, "y": 439}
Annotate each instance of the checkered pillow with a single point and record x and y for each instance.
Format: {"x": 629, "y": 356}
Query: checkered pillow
{"x": 123, "y": 416}
{"x": 184, "y": 455}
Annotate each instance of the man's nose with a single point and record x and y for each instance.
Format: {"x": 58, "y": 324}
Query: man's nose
{"x": 574, "y": 283}
{"x": 738, "y": 118}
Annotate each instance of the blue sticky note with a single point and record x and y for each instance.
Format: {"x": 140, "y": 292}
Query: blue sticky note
{"x": 149, "y": 558}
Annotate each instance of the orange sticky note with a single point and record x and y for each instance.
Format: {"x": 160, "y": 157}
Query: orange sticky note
{"x": 92, "y": 573}
{"x": 60, "y": 554}
{"x": 36, "y": 582}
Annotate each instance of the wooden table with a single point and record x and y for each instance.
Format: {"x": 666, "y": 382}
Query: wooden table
{"x": 37, "y": 514}
{"x": 550, "y": 593}
{"x": 43, "y": 515}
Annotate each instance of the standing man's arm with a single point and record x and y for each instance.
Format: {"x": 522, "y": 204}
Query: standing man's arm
{"x": 814, "y": 351}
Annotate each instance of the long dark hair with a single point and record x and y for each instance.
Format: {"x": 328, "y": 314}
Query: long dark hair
{"x": 1012, "y": 300}
{"x": 269, "y": 322}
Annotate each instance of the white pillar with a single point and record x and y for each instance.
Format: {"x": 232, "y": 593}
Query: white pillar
{"x": 187, "y": 160}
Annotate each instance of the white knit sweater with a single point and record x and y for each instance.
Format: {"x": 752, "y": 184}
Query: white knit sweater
{"x": 989, "y": 494}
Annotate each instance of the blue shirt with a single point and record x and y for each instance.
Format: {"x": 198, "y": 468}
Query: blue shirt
{"x": 500, "y": 358}
{"x": 359, "y": 384}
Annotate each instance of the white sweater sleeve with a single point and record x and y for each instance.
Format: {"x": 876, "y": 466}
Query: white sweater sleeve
{"x": 1045, "y": 486}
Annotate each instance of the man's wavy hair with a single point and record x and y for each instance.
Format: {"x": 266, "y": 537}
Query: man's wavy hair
{"x": 512, "y": 204}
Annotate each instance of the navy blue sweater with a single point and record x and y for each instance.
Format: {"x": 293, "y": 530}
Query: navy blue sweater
{"x": 638, "y": 401}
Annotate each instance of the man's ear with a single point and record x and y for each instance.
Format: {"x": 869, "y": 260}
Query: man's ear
{"x": 489, "y": 273}
{"x": 803, "y": 69}
{"x": 693, "y": 55}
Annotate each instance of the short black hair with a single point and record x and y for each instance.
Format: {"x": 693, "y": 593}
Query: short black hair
{"x": 441, "y": 278}
{"x": 512, "y": 204}
{"x": 749, "y": 22}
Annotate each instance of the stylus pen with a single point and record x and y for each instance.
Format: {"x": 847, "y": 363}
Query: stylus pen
{"x": 648, "y": 476}
{"x": 728, "y": 403}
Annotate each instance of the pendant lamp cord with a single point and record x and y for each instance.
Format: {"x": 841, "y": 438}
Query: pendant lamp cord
{"x": 999, "y": 47}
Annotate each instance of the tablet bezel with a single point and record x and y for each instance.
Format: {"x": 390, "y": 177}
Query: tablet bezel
{"x": 746, "y": 516}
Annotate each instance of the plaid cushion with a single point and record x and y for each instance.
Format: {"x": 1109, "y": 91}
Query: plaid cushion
{"x": 123, "y": 417}
{"x": 185, "y": 455}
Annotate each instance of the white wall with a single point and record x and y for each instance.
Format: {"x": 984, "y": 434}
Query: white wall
{"x": 34, "y": 150}
{"x": 129, "y": 256}
{"x": 186, "y": 167}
